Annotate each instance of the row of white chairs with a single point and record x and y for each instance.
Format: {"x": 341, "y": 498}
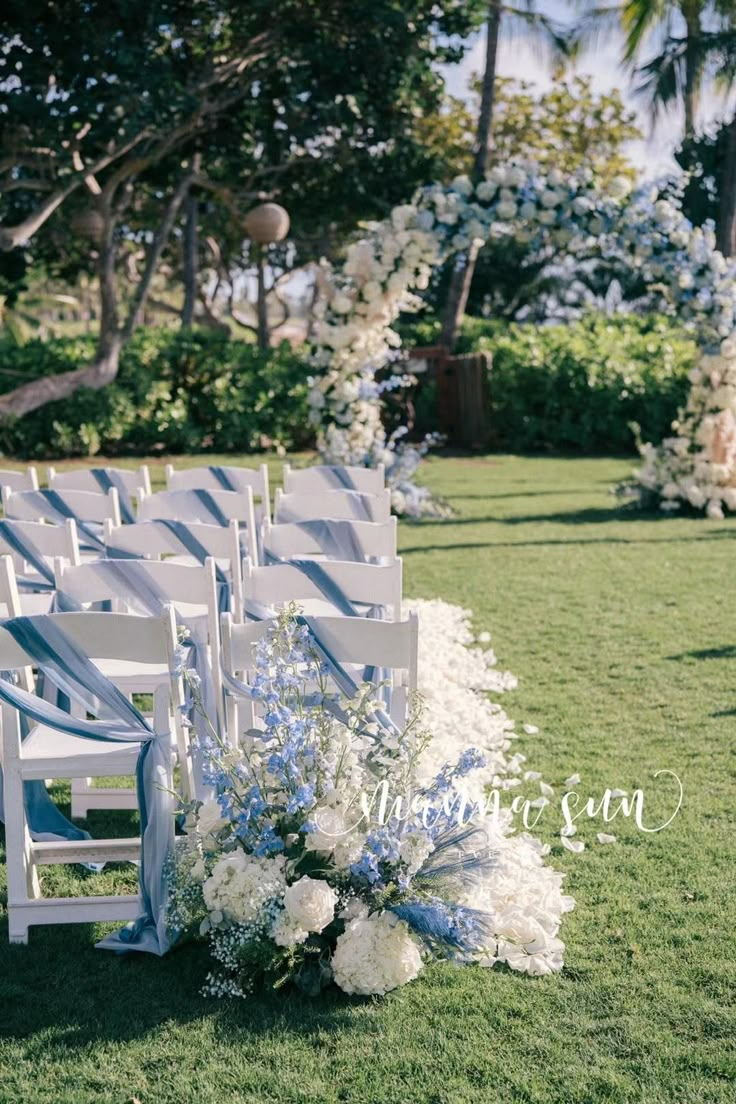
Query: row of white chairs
{"x": 317, "y": 478}
{"x": 190, "y": 590}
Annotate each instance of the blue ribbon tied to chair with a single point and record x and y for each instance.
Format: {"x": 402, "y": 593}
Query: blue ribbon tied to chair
{"x": 63, "y": 662}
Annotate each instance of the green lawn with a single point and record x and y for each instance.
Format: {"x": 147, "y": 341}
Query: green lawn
{"x": 622, "y": 630}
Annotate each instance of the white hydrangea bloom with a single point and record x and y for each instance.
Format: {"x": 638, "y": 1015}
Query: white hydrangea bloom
{"x": 375, "y": 955}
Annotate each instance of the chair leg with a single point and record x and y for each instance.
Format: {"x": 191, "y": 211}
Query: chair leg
{"x": 23, "y": 883}
{"x": 80, "y": 790}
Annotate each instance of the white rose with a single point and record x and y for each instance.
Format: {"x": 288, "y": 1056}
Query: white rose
{"x": 209, "y": 818}
{"x": 329, "y": 829}
{"x": 310, "y": 903}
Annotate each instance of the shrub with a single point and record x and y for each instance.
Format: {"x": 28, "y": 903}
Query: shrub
{"x": 176, "y": 391}
{"x": 579, "y": 386}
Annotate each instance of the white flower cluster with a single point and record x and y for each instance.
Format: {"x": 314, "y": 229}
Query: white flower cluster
{"x": 375, "y": 954}
{"x": 241, "y": 885}
{"x": 697, "y": 466}
{"x": 522, "y": 895}
{"x": 646, "y": 233}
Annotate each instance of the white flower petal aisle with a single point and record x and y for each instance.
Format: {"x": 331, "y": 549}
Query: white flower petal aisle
{"x": 522, "y": 894}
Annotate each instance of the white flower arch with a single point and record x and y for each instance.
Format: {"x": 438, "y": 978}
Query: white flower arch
{"x": 682, "y": 271}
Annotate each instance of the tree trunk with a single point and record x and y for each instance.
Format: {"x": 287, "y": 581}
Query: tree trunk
{"x": 462, "y": 275}
{"x": 104, "y": 368}
{"x": 726, "y": 222}
{"x": 262, "y": 304}
{"x": 693, "y": 31}
{"x": 191, "y": 252}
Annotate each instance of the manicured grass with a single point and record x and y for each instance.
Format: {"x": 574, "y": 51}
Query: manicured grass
{"x": 622, "y": 631}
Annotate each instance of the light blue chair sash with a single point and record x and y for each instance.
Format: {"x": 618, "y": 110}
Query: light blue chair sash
{"x": 53, "y": 505}
{"x": 45, "y": 819}
{"x": 224, "y": 478}
{"x": 131, "y": 582}
{"x": 22, "y": 544}
{"x": 359, "y": 506}
{"x": 73, "y": 672}
{"x": 189, "y": 545}
{"x": 339, "y": 477}
{"x": 108, "y": 478}
{"x": 336, "y": 538}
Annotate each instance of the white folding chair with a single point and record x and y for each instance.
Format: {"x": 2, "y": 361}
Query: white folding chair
{"x": 352, "y": 641}
{"x": 332, "y": 504}
{"x": 154, "y": 540}
{"x": 377, "y": 540}
{"x": 82, "y": 479}
{"x": 185, "y": 506}
{"x": 85, "y": 506}
{"x": 50, "y": 753}
{"x": 362, "y": 585}
{"x": 51, "y": 542}
{"x": 237, "y": 478}
{"x": 325, "y": 477}
{"x": 19, "y": 480}
{"x": 191, "y": 591}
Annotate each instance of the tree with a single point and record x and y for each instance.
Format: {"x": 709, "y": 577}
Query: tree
{"x": 110, "y": 130}
{"x": 679, "y": 31}
{"x": 531, "y": 22}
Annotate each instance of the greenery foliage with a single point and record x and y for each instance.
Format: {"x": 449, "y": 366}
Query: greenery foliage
{"x": 177, "y": 391}
{"x": 580, "y": 386}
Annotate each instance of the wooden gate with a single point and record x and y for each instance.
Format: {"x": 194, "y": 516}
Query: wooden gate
{"x": 462, "y": 394}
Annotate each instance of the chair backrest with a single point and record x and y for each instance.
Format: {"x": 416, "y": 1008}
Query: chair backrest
{"x": 84, "y": 505}
{"x": 124, "y": 636}
{"x": 332, "y": 504}
{"x": 103, "y": 636}
{"x": 362, "y": 584}
{"x": 153, "y": 540}
{"x": 191, "y": 590}
{"x": 221, "y": 478}
{"x": 376, "y": 539}
{"x": 325, "y": 477}
{"x": 19, "y": 480}
{"x": 82, "y": 479}
{"x": 352, "y": 641}
{"x": 186, "y": 506}
{"x": 52, "y": 541}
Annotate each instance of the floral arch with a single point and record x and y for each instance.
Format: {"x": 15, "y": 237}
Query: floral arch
{"x": 680, "y": 268}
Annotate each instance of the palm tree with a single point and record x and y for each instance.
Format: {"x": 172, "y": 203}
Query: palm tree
{"x": 683, "y": 34}
{"x": 500, "y": 18}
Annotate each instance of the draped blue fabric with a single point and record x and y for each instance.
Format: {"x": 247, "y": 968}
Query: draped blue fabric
{"x": 224, "y": 478}
{"x": 22, "y": 544}
{"x": 53, "y": 505}
{"x": 108, "y": 478}
{"x": 336, "y": 538}
{"x": 45, "y": 819}
{"x": 131, "y": 581}
{"x": 62, "y": 661}
{"x": 339, "y": 477}
{"x": 359, "y": 504}
{"x": 211, "y": 507}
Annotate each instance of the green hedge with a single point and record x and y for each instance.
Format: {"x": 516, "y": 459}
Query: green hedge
{"x": 177, "y": 391}
{"x": 579, "y": 386}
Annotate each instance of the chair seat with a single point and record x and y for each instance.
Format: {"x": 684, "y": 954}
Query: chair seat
{"x": 48, "y": 753}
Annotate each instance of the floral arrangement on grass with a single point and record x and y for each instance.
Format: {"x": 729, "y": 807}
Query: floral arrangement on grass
{"x": 320, "y": 858}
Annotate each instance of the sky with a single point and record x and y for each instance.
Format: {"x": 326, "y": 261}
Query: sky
{"x": 653, "y": 154}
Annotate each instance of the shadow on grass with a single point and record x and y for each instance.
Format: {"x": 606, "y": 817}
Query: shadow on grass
{"x": 725, "y": 651}
{"x": 404, "y": 551}
{"x": 60, "y": 994}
